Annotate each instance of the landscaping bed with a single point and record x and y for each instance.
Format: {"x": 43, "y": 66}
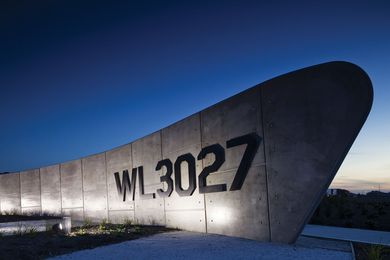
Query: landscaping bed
{"x": 38, "y": 245}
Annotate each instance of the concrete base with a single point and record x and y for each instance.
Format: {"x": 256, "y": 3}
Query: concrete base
{"x": 10, "y": 228}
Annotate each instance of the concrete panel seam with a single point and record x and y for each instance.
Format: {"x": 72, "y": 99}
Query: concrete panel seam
{"x": 162, "y": 156}
{"x": 201, "y": 146}
{"x": 59, "y": 170}
{"x": 82, "y": 185}
{"x": 40, "y": 188}
{"x": 132, "y": 165}
{"x": 20, "y": 192}
{"x": 1, "y": 211}
{"x": 106, "y": 173}
{"x": 265, "y": 161}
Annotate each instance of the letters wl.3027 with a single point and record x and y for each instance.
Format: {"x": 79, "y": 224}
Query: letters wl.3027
{"x": 127, "y": 185}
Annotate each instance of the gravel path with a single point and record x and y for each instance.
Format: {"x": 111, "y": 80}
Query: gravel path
{"x": 189, "y": 245}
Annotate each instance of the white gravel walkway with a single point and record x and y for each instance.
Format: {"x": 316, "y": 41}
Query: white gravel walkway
{"x": 189, "y": 245}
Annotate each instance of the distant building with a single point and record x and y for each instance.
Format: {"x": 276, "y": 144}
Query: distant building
{"x": 331, "y": 192}
{"x": 337, "y": 192}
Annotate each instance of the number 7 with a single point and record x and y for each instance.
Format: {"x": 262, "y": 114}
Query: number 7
{"x": 252, "y": 141}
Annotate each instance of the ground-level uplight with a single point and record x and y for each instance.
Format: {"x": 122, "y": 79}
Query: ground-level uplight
{"x": 64, "y": 226}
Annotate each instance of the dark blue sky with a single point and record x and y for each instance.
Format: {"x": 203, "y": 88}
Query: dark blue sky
{"x": 80, "y": 78}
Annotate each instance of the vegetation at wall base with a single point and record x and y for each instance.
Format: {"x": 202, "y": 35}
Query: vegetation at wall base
{"x": 370, "y": 211}
{"x": 13, "y": 216}
{"x": 38, "y": 245}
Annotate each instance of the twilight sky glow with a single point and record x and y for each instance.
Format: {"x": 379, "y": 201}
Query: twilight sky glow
{"x": 79, "y": 77}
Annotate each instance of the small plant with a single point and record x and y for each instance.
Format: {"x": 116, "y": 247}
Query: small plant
{"x": 21, "y": 230}
{"x": 11, "y": 212}
{"x": 374, "y": 252}
{"x": 136, "y": 229}
{"x": 127, "y": 222}
{"x": 153, "y": 222}
{"x": 81, "y": 231}
{"x": 48, "y": 227}
{"x": 31, "y": 230}
{"x": 87, "y": 223}
{"x": 103, "y": 225}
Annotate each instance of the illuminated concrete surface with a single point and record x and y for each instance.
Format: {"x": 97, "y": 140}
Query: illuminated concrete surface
{"x": 187, "y": 245}
{"x": 300, "y": 127}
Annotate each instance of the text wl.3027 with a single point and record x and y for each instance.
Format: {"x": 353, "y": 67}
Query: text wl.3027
{"x": 127, "y": 185}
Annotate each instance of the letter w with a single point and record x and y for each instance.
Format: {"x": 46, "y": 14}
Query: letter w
{"x": 126, "y": 184}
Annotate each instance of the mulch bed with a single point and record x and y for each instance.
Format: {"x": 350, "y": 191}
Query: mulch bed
{"x": 40, "y": 245}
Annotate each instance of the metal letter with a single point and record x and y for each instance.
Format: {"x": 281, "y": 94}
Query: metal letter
{"x": 253, "y": 142}
{"x": 142, "y": 186}
{"x": 219, "y": 153}
{"x": 166, "y": 178}
{"x": 191, "y": 174}
{"x": 126, "y": 184}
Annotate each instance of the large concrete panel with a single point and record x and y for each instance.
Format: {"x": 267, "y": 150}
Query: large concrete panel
{"x": 191, "y": 220}
{"x": 10, "y": 192}
{"x": 30, "y": 186}
{"x": 247, "y": 207}
{"x": 311, "y": 118}
{"x": 180, "y": 138}
{"x": 118, "y": 160}
{"x": 95, "y": 187}
{"x": 51, "y": 189}
{"x": 231, "y": 118}
{"x": 146, "y": 152}
{"x": 71, "y": 185}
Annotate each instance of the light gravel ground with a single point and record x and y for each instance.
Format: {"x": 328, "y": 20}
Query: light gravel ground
{"x": 189, "y": 245}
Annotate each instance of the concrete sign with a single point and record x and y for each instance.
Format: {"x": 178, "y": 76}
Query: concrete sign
{"x": 255, "y": 165}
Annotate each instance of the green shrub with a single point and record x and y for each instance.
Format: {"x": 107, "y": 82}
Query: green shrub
{"x": 374, "y": 252}
{"x": 103, "y": 225}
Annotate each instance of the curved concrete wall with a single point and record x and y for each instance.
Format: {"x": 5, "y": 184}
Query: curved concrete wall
{"x": 268, "y": 155}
